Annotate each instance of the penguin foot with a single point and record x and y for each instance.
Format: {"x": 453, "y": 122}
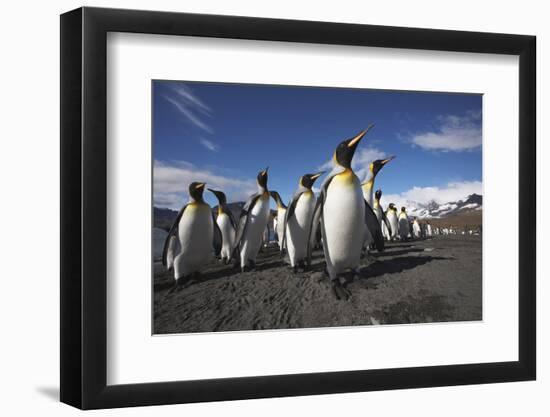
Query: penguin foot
{"x": 250, "y": 266}
{"x": 179, "y": 284}
{"x": 339, "y": 291}
{"x": 369, "y": 258}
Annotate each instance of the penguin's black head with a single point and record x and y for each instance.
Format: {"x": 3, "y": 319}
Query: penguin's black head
{"x": 378, "y": 194}
{"x": 391, "y": 206}
{"x": 275, "y": 195}
{"x": 196, "y": 189}
{"x": 262, "y": 178}
{"x": 403, "y": 209}
{"x": 377, "y": 165}
{"x": 308, "y": 179}
{"x": 345, "y": 150}
{"x": 220, "y": 195}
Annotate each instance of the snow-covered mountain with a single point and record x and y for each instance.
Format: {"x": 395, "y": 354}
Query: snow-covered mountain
{"x": 472, "y": 203}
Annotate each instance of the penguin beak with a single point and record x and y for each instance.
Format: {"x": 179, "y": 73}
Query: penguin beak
{"x": 315, "y": 176}
{"x": 385, "y": 161}
{"x": 355, "y": 141}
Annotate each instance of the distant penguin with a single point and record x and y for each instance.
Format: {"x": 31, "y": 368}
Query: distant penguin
{"x": 417, "y": 232}
{"x": 404, "y": 227}
{"x": 297, "y": 221}
{"x": 279, "y": 222}
{"x": 172, "y": 251}
{"x": 198, "y": 237}
{"x": 368, "y": 185}
{"x": 343, "y": 214}
{"x": 391, "y": 214}
{"x": 428, "y": 229}
{"x": 227, "y": 225}
{"x": 367, "y": 188}
{"x": 381, "y": 215}
{"x": 253, "y": 223}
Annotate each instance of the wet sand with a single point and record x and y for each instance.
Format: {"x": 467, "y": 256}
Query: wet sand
{"x": 432, "y": 280}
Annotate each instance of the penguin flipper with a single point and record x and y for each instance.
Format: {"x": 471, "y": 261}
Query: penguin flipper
{"x": 315, "y": 222}
{"x": 244, "y": 218}
{"x": 231, "y": 219}
{"x": 217, "y": 236}
{"x": 289, "y": 213}
{"x": 172, "y": 230}
{"x": 386, "y": 221}
{"x": 374, "y": 227}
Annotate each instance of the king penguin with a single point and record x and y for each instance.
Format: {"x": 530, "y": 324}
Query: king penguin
{"x": 297, "y": 221}
{"x": 368, "y": 184}
{"x": 252, "y": 223}
{"x": 342, "y": 214}
{"x": 279, "y": 222}
{"x": 404, "y": 226}
{"x": 391, "y": 214}
{"x": 198, "y": 237}
{"x": 367, "y": 188}
{"x": 417, "y": 233}
{"x": 381, "y": 215}
{"x": 227, "y": 225}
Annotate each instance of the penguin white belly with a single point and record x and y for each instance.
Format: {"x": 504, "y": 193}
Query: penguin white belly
{"x": 343, "y": 227}
{"x": 280, "y": 225}
{"x": 298, "y": 228}
{"x": 195, "y": 234}
{"x": 257, "y": 223}
{"x": 385, "y": 231}
{"x": 367, "y": 194}
{"x": 416, "y": 230}
{"x": 228, "y": 235}
{"x": 403, "y": 227}
{"x": 392, "y": 220}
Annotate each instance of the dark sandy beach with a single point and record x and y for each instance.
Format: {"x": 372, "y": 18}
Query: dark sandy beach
{"x": 433, "y": 280}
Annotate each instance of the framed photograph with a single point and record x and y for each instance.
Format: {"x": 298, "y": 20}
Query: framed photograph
{"x": 258, "y": 208}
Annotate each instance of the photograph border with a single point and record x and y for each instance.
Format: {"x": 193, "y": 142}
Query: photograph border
{"x": 83, "y": 312}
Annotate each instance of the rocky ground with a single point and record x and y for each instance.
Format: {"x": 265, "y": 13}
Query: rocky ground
{"x": 433, "y": 280}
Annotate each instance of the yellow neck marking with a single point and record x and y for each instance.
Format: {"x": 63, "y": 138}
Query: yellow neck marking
{"x": 198, "y": 205}
{"x": 345, "y": 177}
{"x": 368, "y": 185}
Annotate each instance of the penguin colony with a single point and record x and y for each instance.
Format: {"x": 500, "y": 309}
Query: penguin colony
{"x": 345, "y": 219}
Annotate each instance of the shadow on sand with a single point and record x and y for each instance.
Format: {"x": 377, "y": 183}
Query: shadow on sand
{"x": 397, "y": 265}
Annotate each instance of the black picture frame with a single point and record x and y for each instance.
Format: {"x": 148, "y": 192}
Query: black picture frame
{"x": 84, "y": 207}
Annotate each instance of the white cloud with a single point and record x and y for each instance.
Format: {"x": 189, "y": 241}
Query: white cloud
{"x": 453, "y": 191}
{"x": 171, "y": 182}
{"x": 453, "y": 134}
{"x": 361, "y": 161}
{"x": 208, "y": 144}
{"x": 190, "y": 106}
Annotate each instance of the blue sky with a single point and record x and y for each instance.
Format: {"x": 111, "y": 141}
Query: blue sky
{"x": 225, "y": 133}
